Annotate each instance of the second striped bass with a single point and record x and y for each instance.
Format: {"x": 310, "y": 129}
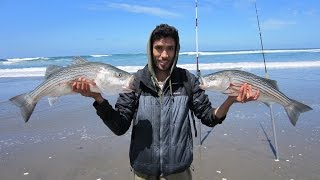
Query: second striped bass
{"x": 229, "y": 82}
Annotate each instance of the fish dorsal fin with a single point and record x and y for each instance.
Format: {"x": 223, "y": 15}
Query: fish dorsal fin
{"x": 79, "y": 60}
{"x": 51, "y": 69}
{"x": 273, "y": 83}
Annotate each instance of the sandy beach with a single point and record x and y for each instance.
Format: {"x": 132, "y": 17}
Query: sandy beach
{"x": 69, "y": 141}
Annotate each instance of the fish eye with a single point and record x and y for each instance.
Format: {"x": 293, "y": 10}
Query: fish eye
{"x": 119, "y": 74}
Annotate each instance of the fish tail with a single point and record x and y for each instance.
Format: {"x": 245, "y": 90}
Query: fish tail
{"x": 294, "y": 109}
{"x": 26, "y": 105}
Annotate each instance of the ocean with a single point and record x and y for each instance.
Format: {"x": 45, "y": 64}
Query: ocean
{"x": 209, "y": 60}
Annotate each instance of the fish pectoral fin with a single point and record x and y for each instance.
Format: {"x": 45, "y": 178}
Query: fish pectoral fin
{"x": 96, "y": 88}
{"x": 52, "y": 100}
{"x": 233, "y": 90}
{"x": 230, "y": 92}
{"x": 234, "y": 85}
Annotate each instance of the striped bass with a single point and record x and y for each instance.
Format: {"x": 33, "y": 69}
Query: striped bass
{"x": 229, "y": 81}
{"x": 58, "y": 82}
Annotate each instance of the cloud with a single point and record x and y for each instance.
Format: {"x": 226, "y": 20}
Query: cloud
{"x": 311, "y": 12}
{"x": 273, "y": 24}
{"x": 302, "y": 12}
{"x": 144, "y": 10}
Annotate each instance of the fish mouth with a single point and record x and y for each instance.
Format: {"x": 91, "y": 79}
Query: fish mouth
{"x": 128, "y": 87}
{"x": 203, "y": 85}
{"x": 201, "y": 80}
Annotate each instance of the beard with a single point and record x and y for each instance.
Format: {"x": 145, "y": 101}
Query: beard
{"x": 164, "y": 66}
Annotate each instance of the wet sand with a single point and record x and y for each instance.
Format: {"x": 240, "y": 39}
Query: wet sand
{"x": 69, "y": 141}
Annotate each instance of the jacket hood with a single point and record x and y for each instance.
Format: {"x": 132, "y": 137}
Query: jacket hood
{"x": 150, "y": 58}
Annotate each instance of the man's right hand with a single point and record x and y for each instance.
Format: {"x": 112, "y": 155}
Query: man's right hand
{"x": 82, "y": 86}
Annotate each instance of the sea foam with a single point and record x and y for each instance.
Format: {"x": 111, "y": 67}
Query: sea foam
{"x": 39, "y": 71}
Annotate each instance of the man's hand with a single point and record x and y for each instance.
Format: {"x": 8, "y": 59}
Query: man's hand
{"x": 83, "y": 85}
{"x": 245, "y": 94}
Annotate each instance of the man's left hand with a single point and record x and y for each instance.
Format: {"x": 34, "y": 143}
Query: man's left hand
{"x": 246, "y": 94}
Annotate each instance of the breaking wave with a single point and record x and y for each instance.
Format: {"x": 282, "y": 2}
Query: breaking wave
{"x": 39, "y": 71}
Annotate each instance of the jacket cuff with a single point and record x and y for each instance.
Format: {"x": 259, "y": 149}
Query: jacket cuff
{"x": 217, "y": 120}
{"x": 102, "y": 106}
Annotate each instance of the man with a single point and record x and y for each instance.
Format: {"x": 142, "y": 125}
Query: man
{"x": 161, "y": 141}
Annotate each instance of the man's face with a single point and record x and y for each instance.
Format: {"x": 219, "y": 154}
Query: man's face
{"x": 163, "y": 53}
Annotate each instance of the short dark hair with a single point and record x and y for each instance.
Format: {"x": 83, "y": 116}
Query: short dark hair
{"x": 164, "y": 31}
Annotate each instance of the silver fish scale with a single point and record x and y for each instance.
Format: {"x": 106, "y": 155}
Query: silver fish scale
{"x": 262, "y": 84}
{"x": 88, "y": 70}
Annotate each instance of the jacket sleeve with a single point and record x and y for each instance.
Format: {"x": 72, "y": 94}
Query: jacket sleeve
{"x": 118, "y": 119}
{"x": 201, "y": 106}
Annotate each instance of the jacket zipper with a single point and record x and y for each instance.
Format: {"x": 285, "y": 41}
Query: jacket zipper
{"x": 160, "y": 129}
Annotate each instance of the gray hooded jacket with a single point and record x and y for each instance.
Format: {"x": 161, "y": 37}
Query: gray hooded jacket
{"x": 161, "y": 139}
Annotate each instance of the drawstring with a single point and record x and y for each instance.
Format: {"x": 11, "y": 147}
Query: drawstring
{"x": 170, "y": 86}
{"x": 171, "y": 91}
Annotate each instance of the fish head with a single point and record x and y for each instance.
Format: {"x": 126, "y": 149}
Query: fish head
{"x": 112, "y": 81}
{"x": 215, "y": 82}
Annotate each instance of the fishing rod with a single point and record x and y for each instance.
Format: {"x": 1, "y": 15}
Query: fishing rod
{"x": 197, "y": 46}
{"x": 199, "y": 77}
{"x": 267, "y": 76}
{"x": 261, "y": 43}
{"x": 197, "y": 58}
